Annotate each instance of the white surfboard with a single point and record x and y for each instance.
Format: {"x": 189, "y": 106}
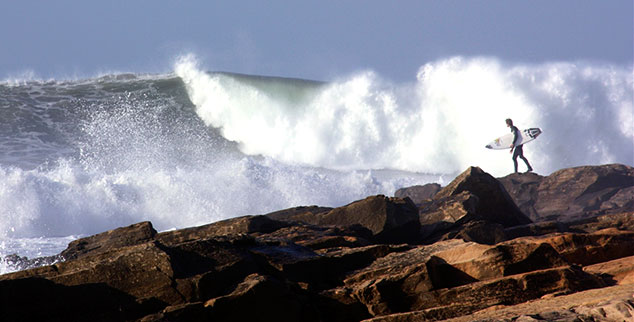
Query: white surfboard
{"x": 504, "y": 141}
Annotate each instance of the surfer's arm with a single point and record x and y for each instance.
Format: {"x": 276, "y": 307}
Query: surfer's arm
{"x": 515, "y": 137}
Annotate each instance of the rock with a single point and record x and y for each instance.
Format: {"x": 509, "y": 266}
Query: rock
{"x": 143, "y": 271}
{"x": 467, "y": 299}
{"x": 587, "y": 249}
{"x": 418, "y": 194}
{"x": 441, "y": 214}
{"x": 303, "y": 214}
{"x": 494, "y": 203}
{"x": 621, "y": 221}
{"x": 391, "y": 220}
{"x": 519, "y": 256}
{"x": 474, "y": 207}
{"x": 572, "y": 307}
{"x": 39, "y": 299}
{"x": 619, "y": 271}
{"x": 410, "y": 280}
{"x": 180, "y": 313}
{"x": 611, "y": 310}
{"x": 574, "y": 193}
{"x": 126, "y": 236}
{"x": 479, "y": 231}
{"x": 380, "y": 258}
{"x": 522, "y": 187}
{"x": 536, "y": 229}
{"x": 261, "y": 298}
{"x": 233, "y": 226}
{"x": 317, "y": 237}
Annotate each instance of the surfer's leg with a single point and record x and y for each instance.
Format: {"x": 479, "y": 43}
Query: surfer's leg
{"x": 528, "y": 165}
{"x": 515, "y": 154}
{"x": 521, "y": 155}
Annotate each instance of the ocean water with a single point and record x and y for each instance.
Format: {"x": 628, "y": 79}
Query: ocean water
{"x": 191, "y": 147}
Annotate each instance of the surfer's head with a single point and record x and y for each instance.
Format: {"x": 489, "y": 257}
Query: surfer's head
{"x": 509, "y": 122}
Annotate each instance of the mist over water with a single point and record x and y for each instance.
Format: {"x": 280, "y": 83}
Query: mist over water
{"x": 84, "y": 156}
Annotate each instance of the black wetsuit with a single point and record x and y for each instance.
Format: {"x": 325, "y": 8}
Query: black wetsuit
{"x": 519, "y": 149}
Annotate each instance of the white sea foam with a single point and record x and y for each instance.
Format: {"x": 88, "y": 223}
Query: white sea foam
{"x": 438, "y": 124}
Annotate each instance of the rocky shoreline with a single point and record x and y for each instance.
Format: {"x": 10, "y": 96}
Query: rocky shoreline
{"x": 520, "y": 248}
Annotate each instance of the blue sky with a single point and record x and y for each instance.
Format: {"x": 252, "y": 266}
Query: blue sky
{"x": 309, "y": 39}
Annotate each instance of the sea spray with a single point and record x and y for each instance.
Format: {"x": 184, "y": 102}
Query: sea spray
{"x": 437, "y": 124}
{"x": 84, "y": 156}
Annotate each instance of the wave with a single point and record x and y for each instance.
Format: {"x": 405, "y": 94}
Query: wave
{"x": 193, "y": 147}
{"x": 90, "y": 155}
{"x": 437, "y": 124}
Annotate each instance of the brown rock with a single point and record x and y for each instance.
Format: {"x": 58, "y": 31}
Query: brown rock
{"x": 143, "y": 271}
{"x": 180, "y": 313}
{"x": 261, "y": 298}
{"x": 125, "y": 236}
{"x": 302, "y": 214}
{"x": 391, "y": 220}
{"x": 463, "y": 300}
{"x": 484, "y": 262}
{"x": 418, "y": 194}
{"x": 479, "y": 231}
{"x": 39, "y": 299}
{"x": 440, "y": 214}
{"x": 588, "y": 249}
{"x": 596, "y": 305}
{"x": 621, "y": 221}
{"x": 317, "y": 237}
{"x": 494, "y": 203}
{"x": 574, "y": 193}
{"x": 405, "y": 281}
{"x": 233, "y": 226}
{"x": 619, "y": 271}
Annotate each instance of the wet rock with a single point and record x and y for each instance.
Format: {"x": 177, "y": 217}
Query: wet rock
{"x": 125, "y": 236}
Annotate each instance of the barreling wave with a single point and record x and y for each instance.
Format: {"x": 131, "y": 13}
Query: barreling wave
{"x": 83, "y": 156}
{"x": 437, "y": 124}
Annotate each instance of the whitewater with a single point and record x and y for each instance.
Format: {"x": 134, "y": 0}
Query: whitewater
{"x": 192, "y": 147}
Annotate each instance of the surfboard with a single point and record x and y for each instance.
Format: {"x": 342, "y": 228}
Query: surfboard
{"x": 504, "y": 141}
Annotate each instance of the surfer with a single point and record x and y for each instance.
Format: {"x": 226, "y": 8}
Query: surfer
{"x": 518, "y": 151}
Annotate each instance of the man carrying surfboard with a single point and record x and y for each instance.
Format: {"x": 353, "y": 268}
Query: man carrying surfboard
{"x": 517, "y": 150}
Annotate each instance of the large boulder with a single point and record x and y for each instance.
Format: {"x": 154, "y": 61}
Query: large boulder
{"x": 494, "y": 203}
{"x": 112, "y": 239}
{"x": 456, "y": 216}
{"x": 522, "y": 187}
{"x": 574, "y": 193}
{"x": 392, "y": 220}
